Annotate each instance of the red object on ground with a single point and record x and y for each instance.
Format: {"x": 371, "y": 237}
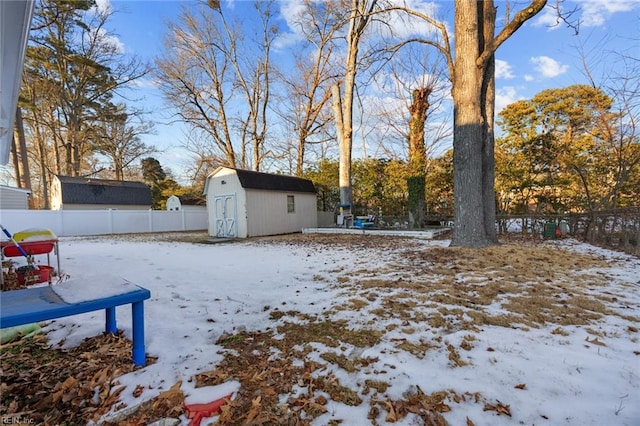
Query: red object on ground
{"x": 35, "y": 276}
{"x": 197, "y": 412}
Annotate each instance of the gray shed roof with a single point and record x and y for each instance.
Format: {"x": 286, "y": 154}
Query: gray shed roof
{"x": 258, "y": 180}
{"x": 77, "y": 190}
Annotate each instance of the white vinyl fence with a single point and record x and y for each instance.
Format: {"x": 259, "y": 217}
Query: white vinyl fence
{"x": 69, "y": 223}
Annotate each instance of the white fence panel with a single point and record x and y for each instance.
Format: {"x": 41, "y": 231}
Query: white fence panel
{"x": 165, "y": 222}
{"x": 82, "y": 222}
{"x": 126, "y": 222}
{"x": 68, "y": 223}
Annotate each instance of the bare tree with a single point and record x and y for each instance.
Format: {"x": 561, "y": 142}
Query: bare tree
{"x": 618, "y": 129}
{"x": 253, "y": 76}
{"x": 219, "y": 82}
{"x": 205, "y": 159}
{"x": 196, "y": 78}
{"x": 119, "y": 139}
{"x": 307, "y": 88}
{"x": 360, "y": 15}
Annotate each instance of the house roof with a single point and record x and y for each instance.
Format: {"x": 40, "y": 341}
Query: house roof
{"x": 78, "y": 190}
{"x": 268, "y": 181}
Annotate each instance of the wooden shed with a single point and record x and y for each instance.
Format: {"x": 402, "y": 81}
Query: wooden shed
{"x": 243, "y": 203}
{"x": 78, "y": 193}
{"x": 14, "y": 198}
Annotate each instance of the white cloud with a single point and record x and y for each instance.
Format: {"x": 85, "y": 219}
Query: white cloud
{"x": 109, "y": 40}
{"x": 529, "y": 77}
{"x": 593, "y": 13}
{"x": 548, "y": 67}
{"x": 547, "y": 18}
{"x": 293, "y": 13}
{"x": 596, "y": 12}
{"x": 504, "y": 96}
{"x": 503, "y": 70}
{"x": 402, "y": 26}
{"x": 103, "y": 6}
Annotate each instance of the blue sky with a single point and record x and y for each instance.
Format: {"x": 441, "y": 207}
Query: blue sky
{"x": 539, "y": 56}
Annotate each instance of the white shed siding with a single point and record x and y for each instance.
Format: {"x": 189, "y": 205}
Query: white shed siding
{"x": 13, "y": 198}
{"x": 267, "y": 212}
{"x": 231, "y": 186}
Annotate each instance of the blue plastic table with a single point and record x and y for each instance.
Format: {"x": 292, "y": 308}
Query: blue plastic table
{"x": 35, "y": 304}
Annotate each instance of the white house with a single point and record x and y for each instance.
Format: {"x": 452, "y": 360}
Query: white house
{"x": 15, "y": 21}
{"x": 14, "y": 198}
{"x": 243, "y": 203}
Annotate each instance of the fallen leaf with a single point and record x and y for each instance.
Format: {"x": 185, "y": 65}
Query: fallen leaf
{"x": 225, "y": 414}
{"x": 255, "y": 409}
{"x": 138, "y": 391}
{"x": 321, "y": 399}
{"x": 392, "y": 416}
{"x": 595, "y": 341}
{"x": 268, "y": 392}
{"x": 258, "y": 377}
{"x": 499, "y": 408}
{"x": 174, "y": 392}
{"x": 503, "y": 409}
{"x": 520, "y": 386}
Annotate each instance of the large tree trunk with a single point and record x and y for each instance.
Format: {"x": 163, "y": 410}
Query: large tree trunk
{"x": 474, "y": 195}
{"x": 16, "y": 161}
{"x": 488, "y": 22}
{"x": 474, "y": 102}
{"x": 417, "y": 155}
{"x": 344, "y": 147}
{"x": 23, "y": 174}
{"x": 302, "y": 141}
{"x": 44, "y": 181}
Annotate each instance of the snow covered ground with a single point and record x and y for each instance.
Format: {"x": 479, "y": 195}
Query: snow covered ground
{"x": 554, "y": 373}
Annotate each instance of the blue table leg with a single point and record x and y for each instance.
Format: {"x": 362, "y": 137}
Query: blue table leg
{"x": 110, "y": 323}
{"x": 137, "y": 315}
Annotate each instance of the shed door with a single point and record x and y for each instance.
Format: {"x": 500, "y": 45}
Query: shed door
{"x": 225, "y": 216}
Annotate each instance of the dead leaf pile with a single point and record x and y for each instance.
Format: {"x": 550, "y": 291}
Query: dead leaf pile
{"x": 51, "y": 386}
{"x": 427, "y": 407}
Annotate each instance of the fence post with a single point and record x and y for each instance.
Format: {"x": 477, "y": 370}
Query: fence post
{"x": 110, "y": 219}
{"x": 150, "y": 220}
